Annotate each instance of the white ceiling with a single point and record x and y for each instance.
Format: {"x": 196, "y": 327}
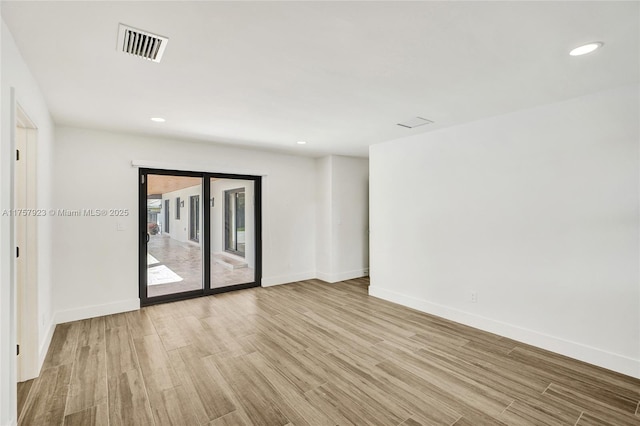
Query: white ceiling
{"x": 338, "y": 75}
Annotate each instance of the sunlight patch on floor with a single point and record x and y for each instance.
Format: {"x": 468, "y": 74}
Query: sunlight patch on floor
{"x": 161, "y": 275}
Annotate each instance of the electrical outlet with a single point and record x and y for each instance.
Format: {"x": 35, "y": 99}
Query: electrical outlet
{"x": 474, "y": 297}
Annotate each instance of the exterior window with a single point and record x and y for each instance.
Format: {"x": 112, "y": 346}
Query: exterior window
{"x": 194, "y": 218}
{"x": 166, "y": 216}
{"x": 234, "y": 242}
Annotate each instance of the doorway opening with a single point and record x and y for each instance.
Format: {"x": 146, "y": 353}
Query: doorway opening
{"x": 186, "y": 254}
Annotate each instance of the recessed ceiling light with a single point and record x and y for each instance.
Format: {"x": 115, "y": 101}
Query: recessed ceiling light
{"x": 586, "y": 48}
{"x": 158, "y": 119}
{"x": 302, "y": 142}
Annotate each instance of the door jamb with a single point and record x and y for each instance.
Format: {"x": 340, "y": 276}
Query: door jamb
{"x": 27, "y": 293}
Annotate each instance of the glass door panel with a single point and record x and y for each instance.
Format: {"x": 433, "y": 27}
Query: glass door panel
{"x": 232, "y": 232}
{"x": 174, "y": 249}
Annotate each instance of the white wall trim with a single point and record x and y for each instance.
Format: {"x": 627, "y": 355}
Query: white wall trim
{"x": 194, "y": 167}
{"x": 286, "y": 279}
{"x": 611, "y": 361}
{"x": 96, "y": 311}
{"x": 44, "y": 345}
{"x": 13, "y": 422}
{"x": 342, "y": 276}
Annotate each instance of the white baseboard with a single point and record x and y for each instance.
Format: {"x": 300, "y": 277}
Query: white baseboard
{"x": 96, "y": 311}
{"x": 285, "y": 279}
{"x": 579, "y": 351}
{"x": 342, "y": 276}
{"x": 324, "y": 276}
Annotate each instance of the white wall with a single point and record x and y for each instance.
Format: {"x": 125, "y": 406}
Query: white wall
{"x": 323, "y": 218}
{"x": 15, "y": 74}
{"x": 342, "y": 245}
{"x": 96, "y": 267}
{"x": 350, "y": 211}
{"x": 537, "y": 211}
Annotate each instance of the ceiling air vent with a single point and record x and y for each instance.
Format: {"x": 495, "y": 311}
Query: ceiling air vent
{"x": 415, "y": 122}
{"x": 142, "y": 44}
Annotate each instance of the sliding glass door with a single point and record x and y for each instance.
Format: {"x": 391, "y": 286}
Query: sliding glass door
{"x": 190, "y": 248}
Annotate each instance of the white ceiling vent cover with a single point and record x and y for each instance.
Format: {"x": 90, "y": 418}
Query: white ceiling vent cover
{"x": 142, "y": 44}
{"x": 415, "y": 122}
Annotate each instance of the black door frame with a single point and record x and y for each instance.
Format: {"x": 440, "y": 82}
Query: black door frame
{"x": 205, "y": 233}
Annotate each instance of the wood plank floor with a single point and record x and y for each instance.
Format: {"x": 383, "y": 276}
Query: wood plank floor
{"x": 311, "y": 353}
